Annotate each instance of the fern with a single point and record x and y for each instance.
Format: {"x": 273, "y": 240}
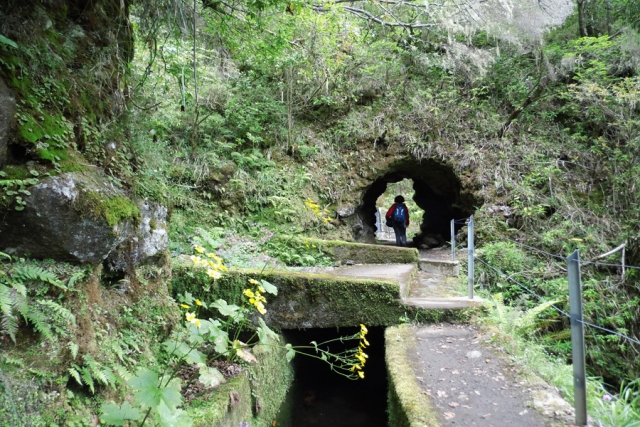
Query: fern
{"x": 88, "y": 379}
{"x": 73, "y": 371}
{"x": 122, "y": 372}
{"x": 35, "y": 317}
{"x": 528, "y": 322}
{"x": 26, "y": 273}
{"x": 73, "y": 347}
{"x": 74, "y": 278}
{"x": 59, "y": 310}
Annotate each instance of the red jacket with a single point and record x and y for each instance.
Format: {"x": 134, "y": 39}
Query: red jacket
{"x": 393, "y": 208}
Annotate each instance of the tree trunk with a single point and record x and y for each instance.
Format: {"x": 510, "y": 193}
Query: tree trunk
{"x": 582, "y": 19}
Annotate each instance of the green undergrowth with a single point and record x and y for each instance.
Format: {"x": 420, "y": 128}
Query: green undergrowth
{"x": 514, "y": 330}
{"x": 94, "y": 334}
{"x": 608, "y": 301}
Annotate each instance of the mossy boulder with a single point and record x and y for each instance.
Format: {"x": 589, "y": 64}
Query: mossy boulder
{"x": 147, "y": 243}
{"x": 74, "y": 217}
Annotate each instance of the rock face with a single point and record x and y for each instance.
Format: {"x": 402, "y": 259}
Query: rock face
{"x": 7, "y": 111}
{"x": 145, "y": 245}
{"x": 54, "y": 224}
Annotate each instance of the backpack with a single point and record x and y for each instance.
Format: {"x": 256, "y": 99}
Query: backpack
{"x": 400, "y": 214}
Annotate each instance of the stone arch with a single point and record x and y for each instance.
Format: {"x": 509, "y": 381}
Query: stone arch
{"x": 437, "y": 190}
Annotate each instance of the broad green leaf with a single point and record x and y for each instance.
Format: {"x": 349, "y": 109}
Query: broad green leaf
{"x": 265, "y": 334}
{"x": 225, "y": 309}
{"x": 143, "y": 379}
{"x": 195, "y": 357}
{"x": 115, "y": 415}
{"x": 168, "y": 417}
{"x": 177, "y": 348}
{"x": 210, "y": 377}
{"x": 145, "y": 384}
{"x": 269, "y": 288}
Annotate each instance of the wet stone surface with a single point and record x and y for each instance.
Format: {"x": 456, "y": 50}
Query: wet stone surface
{"x": 470, "y": 385}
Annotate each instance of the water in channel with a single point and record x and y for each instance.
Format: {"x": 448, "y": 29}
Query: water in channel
{"x": 320, "y": 397}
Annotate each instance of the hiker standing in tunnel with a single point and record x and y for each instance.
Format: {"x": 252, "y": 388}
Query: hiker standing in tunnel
{"x": 398, "y": 214}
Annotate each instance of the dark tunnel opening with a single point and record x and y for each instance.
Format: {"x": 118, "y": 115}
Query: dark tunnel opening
{"x": 320, "y": 397}
{"x": 437, "y": 191}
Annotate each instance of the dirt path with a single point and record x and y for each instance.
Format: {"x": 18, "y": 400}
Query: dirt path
{"x": 473, "y": 385}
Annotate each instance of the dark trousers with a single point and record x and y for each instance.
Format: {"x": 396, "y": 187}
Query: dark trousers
{"x": 401, "y": 233}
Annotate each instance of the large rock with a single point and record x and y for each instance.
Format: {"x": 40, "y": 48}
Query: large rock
{"x": 73, "y": 217}
{"x": 148, "y": 243}
{"x": 7, "y": 113}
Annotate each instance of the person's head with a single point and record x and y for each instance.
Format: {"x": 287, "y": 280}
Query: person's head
{"x": 399, "y": 199}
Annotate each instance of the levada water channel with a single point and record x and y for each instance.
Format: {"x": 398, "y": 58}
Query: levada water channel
{"x": 320, "y": 397}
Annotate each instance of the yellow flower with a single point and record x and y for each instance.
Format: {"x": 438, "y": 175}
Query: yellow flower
{"x": 363, "y": 329}
{"x": 261, "y": 309}
{"x": 248, "y": 293}
{"x": 252, "y": 300}
{"x": 199, "y": 249}
{"x": 214, "y": 274}
{"x": 211, "y": 255}
{"x": 361, "y": 374}
{"x": 194, "y": 259}
{"x": 198, "y": 302}
{"x": 190, "y": 316}
{"x": 261, "y": 289}
{"x": 364, "y": 342}
{"x": 184, "y": 306}
{"x": 254, "y": 281}
{"x": 222, "y": 267}
{"x": 196, "y": 322}
{"x": 355, "y": 367}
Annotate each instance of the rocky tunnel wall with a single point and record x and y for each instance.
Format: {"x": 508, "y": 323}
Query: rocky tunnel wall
{"x": 437, "y": 190}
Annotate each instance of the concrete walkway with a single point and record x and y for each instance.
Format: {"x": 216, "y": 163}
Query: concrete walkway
{"x": 472, "y": 384}
{"x": 466, "y": 381}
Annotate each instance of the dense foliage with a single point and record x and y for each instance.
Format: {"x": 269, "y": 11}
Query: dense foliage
{"x": 266, "y": 105}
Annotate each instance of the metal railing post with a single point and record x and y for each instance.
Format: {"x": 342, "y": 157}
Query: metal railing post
{"x": 577, "y": 339}
{"x": 470, "y": 245}
{"x": 453, "y": 241}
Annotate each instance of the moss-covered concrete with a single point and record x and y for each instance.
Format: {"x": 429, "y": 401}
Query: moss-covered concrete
{"x": 361, "y": 253}
{"x": 226, "y": 406}
{"x": 271, "y": 378}
{"x": 307, "y": 300}
{"x": 407, "y": 405}
{"x": 253, "y": 397}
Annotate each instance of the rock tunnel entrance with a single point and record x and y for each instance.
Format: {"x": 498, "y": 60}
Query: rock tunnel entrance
{"x": 437, "y": 191}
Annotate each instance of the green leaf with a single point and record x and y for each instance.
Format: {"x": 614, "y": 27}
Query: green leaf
{"x": 195, "y": 357}
{"x": 210, "y": 377}
{"x": 290, "y": 352}
{"x": 225, "y": 309}
{"x": 265, "y": 334}
{"x": 172, "y": 418}
{"x": 8, "y": 42}
{"x": 269, "y": 288}
{"x": 115, "y": 415}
